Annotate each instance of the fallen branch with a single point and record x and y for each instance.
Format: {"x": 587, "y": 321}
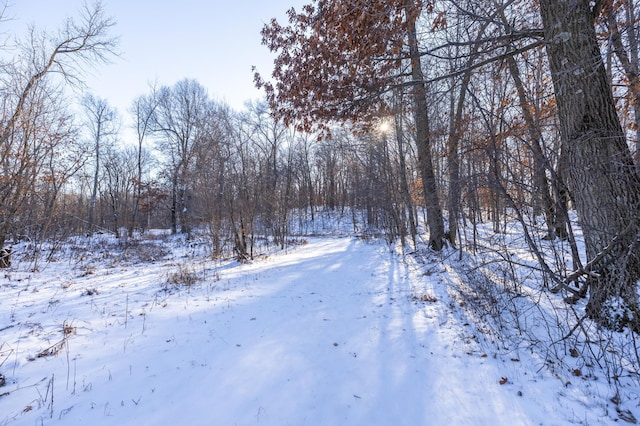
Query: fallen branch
{"x": 587, "y": 269}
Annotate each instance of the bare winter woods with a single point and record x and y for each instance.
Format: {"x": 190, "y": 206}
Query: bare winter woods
{"x": 516, "y": 111}
{"x": 416, "y": 120}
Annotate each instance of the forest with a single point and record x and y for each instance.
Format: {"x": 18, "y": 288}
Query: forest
{"x": 418, "y": 123}
{"x": 461, "y": 114}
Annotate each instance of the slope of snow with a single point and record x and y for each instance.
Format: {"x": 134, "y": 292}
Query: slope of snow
{"x": 339, "y": 331}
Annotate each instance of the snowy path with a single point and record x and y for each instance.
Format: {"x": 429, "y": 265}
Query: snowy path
{"x": 387, "y": 367}
{"x": 326, "y": 335}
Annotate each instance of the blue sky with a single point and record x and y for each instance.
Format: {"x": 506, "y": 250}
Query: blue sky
{"x": 213, "y": 41}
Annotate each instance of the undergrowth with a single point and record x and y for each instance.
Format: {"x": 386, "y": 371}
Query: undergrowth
{"x": 500, "y": 287}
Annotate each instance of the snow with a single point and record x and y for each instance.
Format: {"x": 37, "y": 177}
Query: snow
{"x": 336, "y": 331}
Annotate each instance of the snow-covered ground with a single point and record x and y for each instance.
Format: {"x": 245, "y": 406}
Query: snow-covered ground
{"x": 336, "y": 331}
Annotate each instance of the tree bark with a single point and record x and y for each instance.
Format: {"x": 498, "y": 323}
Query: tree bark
{"x": 435, "y": 220}
{"x": 596, "y": 159}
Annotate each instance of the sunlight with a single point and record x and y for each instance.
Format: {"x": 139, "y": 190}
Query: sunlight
{"x": 384, "y": 127}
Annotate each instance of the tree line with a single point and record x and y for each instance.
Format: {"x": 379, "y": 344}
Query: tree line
{"x": 241, "y": 178}
{"x": 392, "y": 113}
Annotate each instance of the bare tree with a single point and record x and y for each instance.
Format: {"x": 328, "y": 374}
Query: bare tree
{"x": 268, "y": 136}
{"x": 143, "y": 110}
{"x": 120, "y": 171}
{"x": 211, "y": 173}
{"x": 25, "y": 79}
{"x": 177, "y": 120}
{"x": 102, "y": 128}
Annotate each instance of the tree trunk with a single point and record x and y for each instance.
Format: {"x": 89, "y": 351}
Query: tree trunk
{"x": 453, "y": 157}
{"x": 404, "y": 185}
{"x": 455, "y": 133}
{"x": 596, "y": 160}
{"x": 114, "y": 213}
{"x": 555, "y": 226}
{"x": 94, "y": 190}
{"x": 174, "y": 204}
{"x": 435, "y": 221}
{"x": 138, "y": 189}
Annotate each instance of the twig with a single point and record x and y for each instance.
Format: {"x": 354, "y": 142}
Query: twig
{"x": 586, "y": 269}
{"x": 574, "y": 328}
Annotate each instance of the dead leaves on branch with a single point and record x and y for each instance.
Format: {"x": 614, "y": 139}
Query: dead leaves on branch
{"x": 336, "y": 60}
